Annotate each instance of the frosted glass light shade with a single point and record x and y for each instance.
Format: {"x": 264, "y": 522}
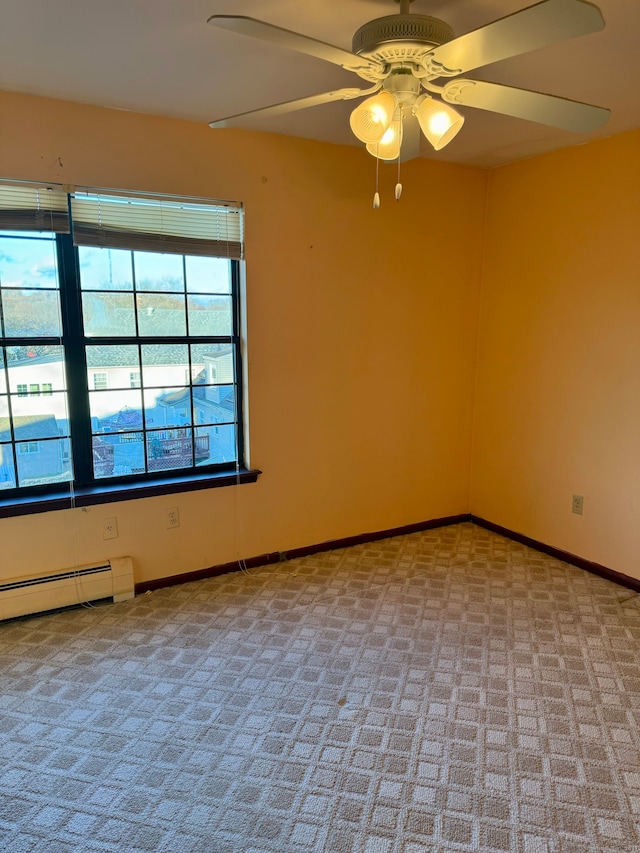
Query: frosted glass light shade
{"x": 371, "y": 119}
{"x": 389, "y": 146}
{"x": 438, "y": 121}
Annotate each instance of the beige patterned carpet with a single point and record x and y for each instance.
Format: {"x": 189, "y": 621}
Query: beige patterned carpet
{"x": 443, "y": 691}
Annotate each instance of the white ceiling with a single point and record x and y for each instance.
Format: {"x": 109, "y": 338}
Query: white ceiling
{"x": 161, "y": 57}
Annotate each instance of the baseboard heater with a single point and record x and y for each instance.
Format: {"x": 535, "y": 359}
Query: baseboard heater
{"x": 40, "y": 592}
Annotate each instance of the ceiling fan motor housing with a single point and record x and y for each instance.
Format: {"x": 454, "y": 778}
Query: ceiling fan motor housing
{"x": 400, "y": 38}
{"x": 404, "y": 86}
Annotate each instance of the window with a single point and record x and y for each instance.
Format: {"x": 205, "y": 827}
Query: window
{"x": 137, "y": 329}
{"x": 28, "y": 447}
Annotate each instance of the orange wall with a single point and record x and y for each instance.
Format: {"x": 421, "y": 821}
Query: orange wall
{"x": 362, "y": 335}
{"x": 558, "y": 387}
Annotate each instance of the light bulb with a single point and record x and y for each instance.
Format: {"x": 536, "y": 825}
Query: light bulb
{"x": 439, "y": 123}
{"x": 370, "y": 120}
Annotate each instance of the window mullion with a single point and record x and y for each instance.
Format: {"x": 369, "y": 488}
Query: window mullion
{"x": 75, "y": 361}
{"x": 237, "y": 359}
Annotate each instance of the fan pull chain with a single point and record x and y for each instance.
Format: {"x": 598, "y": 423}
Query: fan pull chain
{"x": 398, "y": 190}
{"x": 376, "y": 195}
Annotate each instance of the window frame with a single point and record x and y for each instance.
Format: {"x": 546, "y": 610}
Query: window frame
{"x": 85, "y": 488}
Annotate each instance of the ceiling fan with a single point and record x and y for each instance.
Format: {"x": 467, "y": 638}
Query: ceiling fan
{"x": 402, "y": 55}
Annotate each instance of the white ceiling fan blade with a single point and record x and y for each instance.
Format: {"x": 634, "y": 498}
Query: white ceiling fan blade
{"x": 291, "y": 106}
{"x": 529, "y": 29}
{"x": 410, "y": 138}
{"x": 294, "y": 41}
{"x": 521, "y": 103}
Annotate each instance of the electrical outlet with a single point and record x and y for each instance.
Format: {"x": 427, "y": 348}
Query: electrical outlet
{"x": 110, "y": 527}
{"x": 171, "y": 517}
{"x": 577, "y": 504}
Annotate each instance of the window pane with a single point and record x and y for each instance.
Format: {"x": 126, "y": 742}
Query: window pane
{"x": 215, "y": 444}
{"x": 105, "y": 269}
{"x": 115, "y": 411}
{"x": 164, "y": 364}
{"x": 168, "y": 449}
{"x": 118, "y": 455}
{"x": 214, "y": 404}
{"x": 168, "y": 407}
{"x": 26, "y": 263}
{"x": 40, "y": 417}
{"x": 110, "y": 365}
{"x": 208, "y": 275}
{"x": 155, "y": 271}
{"x": 7, "y": 471}
{"x": 109, "y": 315}
{"x": 41, "y": 462}
{"x": 214, "y": 360}
{"x": 23, "y": 320}
{"x": 30, "y": 365}
{"x": 161, "y": 314}
{"x": 3, "y": 378}
{"x": 210, "y": 315}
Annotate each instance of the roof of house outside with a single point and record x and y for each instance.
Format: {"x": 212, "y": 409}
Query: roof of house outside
{"x": 29, "y": 428}
{"x": 117, "y": 355}
{"x": 199, "y": 385}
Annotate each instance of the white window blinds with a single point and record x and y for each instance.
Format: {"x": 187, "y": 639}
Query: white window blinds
{"x": 157, "y": 224}
{"x": 26, "y": 206}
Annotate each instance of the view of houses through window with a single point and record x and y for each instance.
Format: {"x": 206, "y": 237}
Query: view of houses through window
{"x": 140, "y": 376}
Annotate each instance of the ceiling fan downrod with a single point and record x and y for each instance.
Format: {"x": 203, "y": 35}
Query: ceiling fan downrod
{"x": 404, "y": 6}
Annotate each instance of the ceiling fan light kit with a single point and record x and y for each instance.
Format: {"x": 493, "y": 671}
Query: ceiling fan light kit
{"x": 402, "y": 54}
